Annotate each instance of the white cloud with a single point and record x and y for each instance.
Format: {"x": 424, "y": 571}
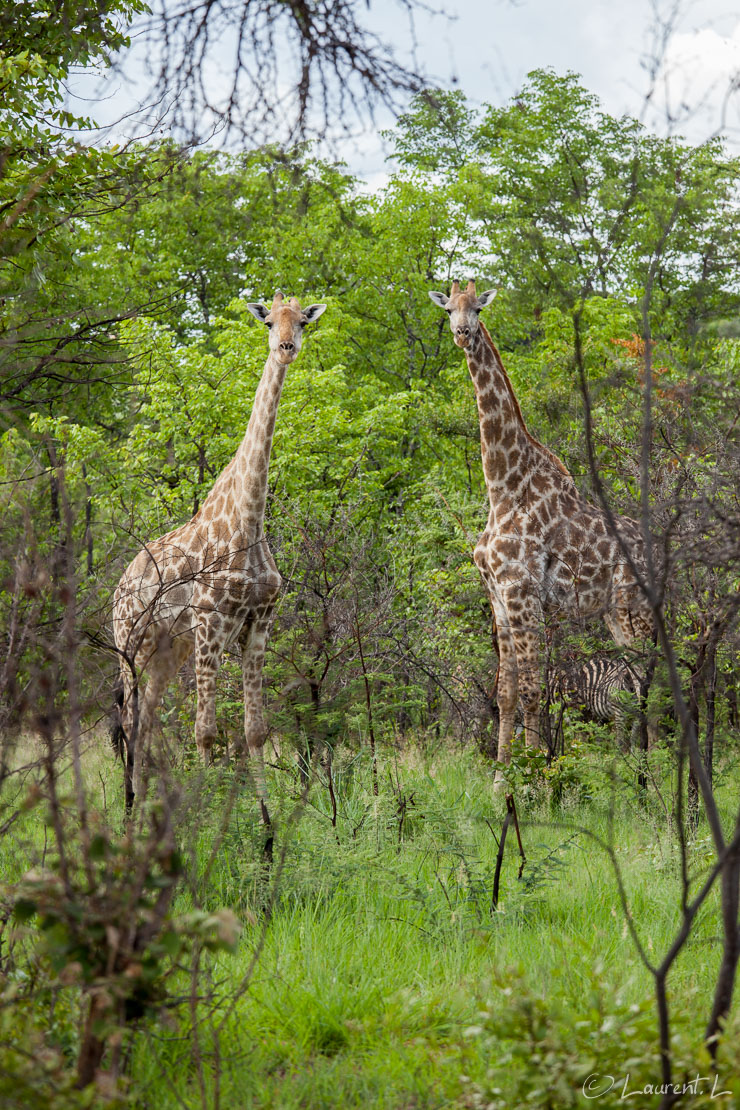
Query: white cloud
{"x": 700, "y": 82}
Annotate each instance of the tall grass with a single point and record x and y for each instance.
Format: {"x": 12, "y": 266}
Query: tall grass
{"x": 384, "y": 979}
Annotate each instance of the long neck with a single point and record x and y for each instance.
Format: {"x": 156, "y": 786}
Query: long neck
{"x": 510, "y": 455}
{"x": 504, "y": 439}
{"x": 244, "y": 481}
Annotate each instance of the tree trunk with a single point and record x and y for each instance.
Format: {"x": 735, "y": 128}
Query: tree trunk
{"x": 730, "y": 892}
{"x": 733, "y": 716}
{"x": 696, "y": 683}
{"x": 88, "y": 524}
{"x": 710, "y": 703}
{"x": 201, "y": 476}
{"x": 92, "y": 1046}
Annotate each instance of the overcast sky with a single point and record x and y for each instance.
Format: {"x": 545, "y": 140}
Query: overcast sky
{"x": 491, "y": 46}
{"x": 487, "y": 47}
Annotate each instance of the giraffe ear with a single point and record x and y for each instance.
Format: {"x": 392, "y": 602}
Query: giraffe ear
{"x": 313, "y": 312}
{"x": 438, "y": 298}
{"x": 486, "y": 298}
{"x": 259, "y": 311}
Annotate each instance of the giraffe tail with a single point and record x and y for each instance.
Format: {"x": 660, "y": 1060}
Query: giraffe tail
{"x": 116, "y": 733}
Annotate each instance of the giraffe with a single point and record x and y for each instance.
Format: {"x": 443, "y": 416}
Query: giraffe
{"x": 545, "y": 549}
{"x": 211, "y": 583}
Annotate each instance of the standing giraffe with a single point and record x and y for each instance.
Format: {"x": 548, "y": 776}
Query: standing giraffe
{"x": 212, "y": 582}
{"x": 544, "y": 549}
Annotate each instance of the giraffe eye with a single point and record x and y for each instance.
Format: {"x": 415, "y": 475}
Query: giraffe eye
{"x": 268, "y": 323}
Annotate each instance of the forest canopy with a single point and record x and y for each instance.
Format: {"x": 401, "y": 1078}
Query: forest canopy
{"x": 128, "y": 360}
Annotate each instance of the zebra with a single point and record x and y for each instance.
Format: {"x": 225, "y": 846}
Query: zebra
{"x": 604, "y": 690}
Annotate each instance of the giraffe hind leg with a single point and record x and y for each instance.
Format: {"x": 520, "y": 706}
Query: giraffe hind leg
{"x": 161, "y": 668}
{"x": 116, "y": 729}
{"x": 124, "y": 729}
{"x": 207, "y": 665}
{"x": 253, "y": 641}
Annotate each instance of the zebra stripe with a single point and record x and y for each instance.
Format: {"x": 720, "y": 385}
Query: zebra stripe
{"x": 597, "y": 687}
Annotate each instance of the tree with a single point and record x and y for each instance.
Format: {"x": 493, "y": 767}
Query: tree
{"x": 338, "y": 70}
{"x": 53, "y": 335}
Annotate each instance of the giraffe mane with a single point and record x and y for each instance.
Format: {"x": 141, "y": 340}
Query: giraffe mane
{"x": 553, "y": 458}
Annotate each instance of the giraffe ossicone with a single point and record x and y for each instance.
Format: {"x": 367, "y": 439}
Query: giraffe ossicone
{"x": 545, "y": 548}
{"x": 212, "y": 583}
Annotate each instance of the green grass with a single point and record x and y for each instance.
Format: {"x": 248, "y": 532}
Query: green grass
{"x": 385, "y": 981}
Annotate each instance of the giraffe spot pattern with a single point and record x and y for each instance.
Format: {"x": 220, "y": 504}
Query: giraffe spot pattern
{"x": 212, "y": 582}
{"x": 559, "y": 555}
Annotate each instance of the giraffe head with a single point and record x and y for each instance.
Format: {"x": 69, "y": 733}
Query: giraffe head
{"x": 463, "y": 310}
{"x": 285, "y": 322}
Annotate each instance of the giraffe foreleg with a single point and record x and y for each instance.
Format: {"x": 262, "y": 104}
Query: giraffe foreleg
{"x": 207, "y": 664}
{"x": 526, "y": 621}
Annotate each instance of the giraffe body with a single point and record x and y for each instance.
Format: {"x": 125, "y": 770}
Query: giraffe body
{"x": 212, "y": 583}
{"x": 545, "y": 548}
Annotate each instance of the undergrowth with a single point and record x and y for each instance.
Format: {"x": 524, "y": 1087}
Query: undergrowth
{"x": 372, "y": 969}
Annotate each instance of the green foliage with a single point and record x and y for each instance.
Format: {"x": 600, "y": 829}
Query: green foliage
{"x": 98, "y": 926}
{"x": 545, "y": 1052}
{"x": 376, "y": 981}
{"x": 129, "y": 367}
{"x": 55, "y": 323}
{"x": 567, "y": 777}
{"x": 558, "y": 203}
{"x": 381, "y": 949}
{"x": 42, "y": 41}
{"x": 80, "y": 918}
{"x": 34, "y": 1073}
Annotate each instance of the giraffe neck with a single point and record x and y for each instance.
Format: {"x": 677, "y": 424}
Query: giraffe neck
{"x": 504, "y": 439}
{"x": 508, "y": 451}
{"x": 244, "y": 481}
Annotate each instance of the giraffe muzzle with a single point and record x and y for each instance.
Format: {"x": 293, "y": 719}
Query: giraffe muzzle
{"x": 287, "y": 352}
